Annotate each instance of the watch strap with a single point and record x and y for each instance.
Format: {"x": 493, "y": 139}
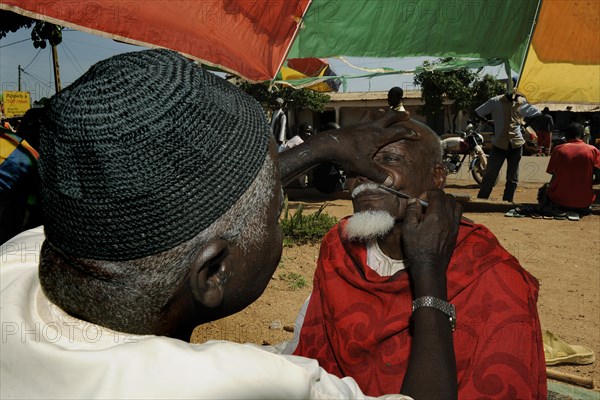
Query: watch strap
{"x": 438, "y": 304}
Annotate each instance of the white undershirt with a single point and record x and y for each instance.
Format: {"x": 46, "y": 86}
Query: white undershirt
{"x": 381, "y": 263}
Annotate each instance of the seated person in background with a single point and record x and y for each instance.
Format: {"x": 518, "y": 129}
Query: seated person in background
{"x": 575, "y": 168}
{"x": 161, "y": 213}
{"x": 358, "y": 319}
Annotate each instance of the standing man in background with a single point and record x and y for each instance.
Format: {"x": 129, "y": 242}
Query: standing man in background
{"x": 394, "y": 98}
{"x": 508, "y": 111}
{"x": 279, "y": 122}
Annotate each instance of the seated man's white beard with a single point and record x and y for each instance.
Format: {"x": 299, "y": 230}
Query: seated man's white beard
{"x": 367, "y": 225}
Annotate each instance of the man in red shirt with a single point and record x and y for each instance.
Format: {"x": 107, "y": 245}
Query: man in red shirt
{"x": 573, "y": 166}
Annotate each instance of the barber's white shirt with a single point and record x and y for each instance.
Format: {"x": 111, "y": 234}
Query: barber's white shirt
{"x": 46, "y": 353}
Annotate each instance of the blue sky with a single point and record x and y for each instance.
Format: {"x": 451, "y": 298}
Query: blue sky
{"x": 76, "y": 54}
{"x": 80, "y": 50}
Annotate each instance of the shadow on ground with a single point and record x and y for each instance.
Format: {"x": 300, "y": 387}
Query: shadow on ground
{"x": 461, "y": 186}
{"x": 472, "y": 207}
{"x": 313, "y": 199}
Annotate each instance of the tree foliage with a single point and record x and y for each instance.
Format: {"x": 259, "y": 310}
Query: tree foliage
{"x": 485, "y": 88}
{"x": 294, "y": 99}
{"x": 465, "y": 88}
{"x": 41, "y": 33}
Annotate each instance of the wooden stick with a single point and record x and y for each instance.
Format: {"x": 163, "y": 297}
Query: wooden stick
{"x": 570, "y": 378}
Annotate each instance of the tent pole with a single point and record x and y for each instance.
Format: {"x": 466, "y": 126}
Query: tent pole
{"x": 509, "y": 82}
{"x": 535, "y": 19}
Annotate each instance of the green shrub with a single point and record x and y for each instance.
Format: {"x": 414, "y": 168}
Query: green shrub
{"x": 301, "y": 229}
{"x": 293, "y": 280}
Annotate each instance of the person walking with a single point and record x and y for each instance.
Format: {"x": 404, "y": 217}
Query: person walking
{"x": 544, "y": 124}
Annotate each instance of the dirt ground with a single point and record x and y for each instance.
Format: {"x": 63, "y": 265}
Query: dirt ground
{"x": 563, "y": 255}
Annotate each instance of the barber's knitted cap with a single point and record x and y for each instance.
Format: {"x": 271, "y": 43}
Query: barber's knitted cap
{"x": 142, "y": 153}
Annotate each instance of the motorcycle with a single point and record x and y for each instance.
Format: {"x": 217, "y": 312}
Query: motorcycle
{"x": 457, "y": 148}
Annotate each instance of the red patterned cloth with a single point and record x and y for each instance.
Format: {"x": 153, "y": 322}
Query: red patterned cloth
{"x": 357, "y": 322}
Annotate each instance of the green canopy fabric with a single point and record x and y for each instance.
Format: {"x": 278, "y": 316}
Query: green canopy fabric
{"x": 385, "y": 28}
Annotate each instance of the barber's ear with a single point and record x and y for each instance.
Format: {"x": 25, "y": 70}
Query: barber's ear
{"x": 439, "y": 176}
{"x": 209, "y": 273}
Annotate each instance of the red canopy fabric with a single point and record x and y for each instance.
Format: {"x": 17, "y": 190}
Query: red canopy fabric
{"x": 308, "y": 66}
{"x": 247, "y": 38}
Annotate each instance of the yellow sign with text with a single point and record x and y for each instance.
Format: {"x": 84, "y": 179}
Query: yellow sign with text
{"x": 16, "y": 103}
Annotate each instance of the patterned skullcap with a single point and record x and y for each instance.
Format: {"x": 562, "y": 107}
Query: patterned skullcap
{"x": 142, "y": 153}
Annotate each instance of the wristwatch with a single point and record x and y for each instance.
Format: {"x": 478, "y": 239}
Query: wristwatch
{"x": 438, "y": 304}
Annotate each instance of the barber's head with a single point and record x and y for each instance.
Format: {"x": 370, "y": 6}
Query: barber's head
{"x": 415, "y": 163}
{"x": 160, "y": 194}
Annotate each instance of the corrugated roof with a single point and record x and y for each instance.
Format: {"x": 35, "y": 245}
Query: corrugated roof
{"x": 569, "y": 107}
{"x": 358, "y": 96}
{"x": 416, "y": 94}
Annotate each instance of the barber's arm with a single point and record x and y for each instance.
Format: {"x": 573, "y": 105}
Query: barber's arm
{"x": 352, "y": 147}
{"x": 429, "y": 238}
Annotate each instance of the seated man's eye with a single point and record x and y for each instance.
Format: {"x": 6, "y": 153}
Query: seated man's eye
{"x": 389, "y": 158}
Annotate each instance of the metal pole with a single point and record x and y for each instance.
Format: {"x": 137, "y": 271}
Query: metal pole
{"x": 57, "y": 85}
{"x": 19, "y": 69}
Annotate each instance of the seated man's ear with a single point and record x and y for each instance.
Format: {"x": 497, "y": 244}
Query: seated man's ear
{"x": 439, "y": 176}
{"x": 209, "y": 273}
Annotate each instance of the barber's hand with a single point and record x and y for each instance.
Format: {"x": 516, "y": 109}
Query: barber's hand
{"x": 353, "y": 147}
{"x": 429, "y": 238}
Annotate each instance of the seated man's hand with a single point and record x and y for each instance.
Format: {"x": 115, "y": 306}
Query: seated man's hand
{"x": 429, "y": 236}
{"x": 429, "y": 239}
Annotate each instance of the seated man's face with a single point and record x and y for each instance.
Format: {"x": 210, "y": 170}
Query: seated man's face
{"x": 407, "y": 162}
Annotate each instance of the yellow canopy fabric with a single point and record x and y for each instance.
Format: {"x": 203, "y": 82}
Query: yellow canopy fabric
{"x": 562, "y": 65}
{"x": 290, "y": 74}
